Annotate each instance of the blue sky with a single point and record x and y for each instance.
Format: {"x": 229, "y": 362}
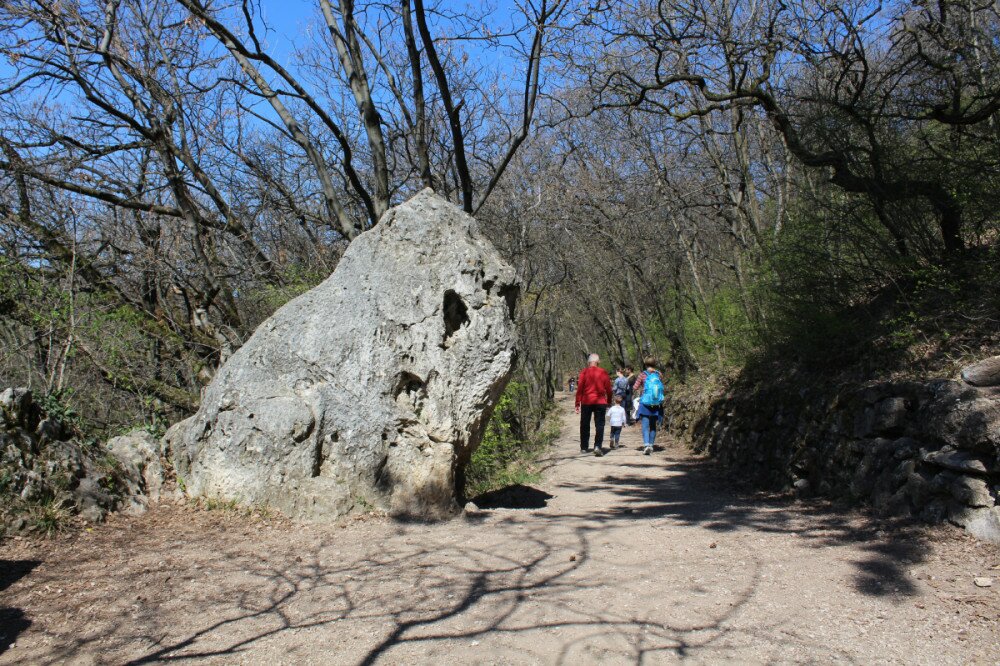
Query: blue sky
{"x": 286, "y": 19}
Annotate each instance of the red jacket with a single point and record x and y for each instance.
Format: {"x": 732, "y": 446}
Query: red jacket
{"x": 594, "y": 387}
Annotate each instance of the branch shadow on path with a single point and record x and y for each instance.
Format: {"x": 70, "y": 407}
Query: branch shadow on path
{"x": 528, "y": 581}
{"x": 693, "y": 492}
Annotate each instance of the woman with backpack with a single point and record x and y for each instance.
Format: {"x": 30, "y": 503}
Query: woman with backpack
{"x": 649, "y": 388}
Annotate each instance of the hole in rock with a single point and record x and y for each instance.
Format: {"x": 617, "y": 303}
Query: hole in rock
{"x": 456, "y": 314}
{"x": 323, "y": 446}
{"x": 409, "y": 384}
{"x": 510, "y": 293}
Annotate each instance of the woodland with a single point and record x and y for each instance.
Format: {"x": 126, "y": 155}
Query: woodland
{"x": 719, "y": 183}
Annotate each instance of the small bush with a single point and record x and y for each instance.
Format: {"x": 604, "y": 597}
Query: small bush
{"x": 507, "y": 454}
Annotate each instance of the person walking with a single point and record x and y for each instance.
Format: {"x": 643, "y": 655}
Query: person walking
{"x": 620, "y": 384}
{"x": 627, "y": 398}
{"x": 616, "y": 419}
{"x": 649, "y": 388}
{"x": 593, "y": 394}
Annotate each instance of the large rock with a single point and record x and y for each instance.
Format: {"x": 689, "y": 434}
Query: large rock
{"x": 983, "y": 373}
{"x": 371, "y": 390}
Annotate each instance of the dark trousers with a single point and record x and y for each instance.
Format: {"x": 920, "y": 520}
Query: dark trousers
{"x": 627, "y": 404}
{"x": 616, "y": 435}
{"x": 598, "y": 412}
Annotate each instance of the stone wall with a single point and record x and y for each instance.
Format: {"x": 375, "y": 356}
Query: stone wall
{"x": 927, "y": 449}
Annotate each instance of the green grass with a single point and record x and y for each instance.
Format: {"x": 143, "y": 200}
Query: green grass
{"x": 49, "y": 518}
{"x": 507, "y": 456}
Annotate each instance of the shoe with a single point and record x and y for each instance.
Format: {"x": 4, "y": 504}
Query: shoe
{"x": 584, "y": 450}
{"x": 647, "y": 450}
{"x": 598, "y": 452}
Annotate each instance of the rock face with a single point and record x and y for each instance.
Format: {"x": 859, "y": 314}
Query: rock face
{"x": 370, "y": 390}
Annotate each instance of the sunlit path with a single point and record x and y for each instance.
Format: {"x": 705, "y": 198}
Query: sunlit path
{"x": 621, "y": 559}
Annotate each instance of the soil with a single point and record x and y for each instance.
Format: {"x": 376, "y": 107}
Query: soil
{"x": 620, "y": 559}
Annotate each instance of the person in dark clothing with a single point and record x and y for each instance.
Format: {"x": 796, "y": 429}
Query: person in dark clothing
{"x": 593, "y": 394}
{"x": 627, "y": 398}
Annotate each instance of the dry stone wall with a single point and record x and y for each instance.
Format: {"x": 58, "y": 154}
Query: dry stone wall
{"x": 926, "y": 449}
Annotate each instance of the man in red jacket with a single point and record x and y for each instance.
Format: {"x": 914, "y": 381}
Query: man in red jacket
{"x": 593, "y": 395}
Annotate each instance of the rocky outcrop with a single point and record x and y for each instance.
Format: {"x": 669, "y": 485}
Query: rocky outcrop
{"x": 372, "y": 389}
{"x": 927, "y": 449}
{"x": 47, "y": 473}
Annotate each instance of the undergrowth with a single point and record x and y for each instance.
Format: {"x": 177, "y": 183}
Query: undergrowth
{"x": 510, "y": 448}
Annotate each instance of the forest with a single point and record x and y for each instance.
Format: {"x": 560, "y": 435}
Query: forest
{"x": 711, "y": 181}
{"x": 292, "y": 295}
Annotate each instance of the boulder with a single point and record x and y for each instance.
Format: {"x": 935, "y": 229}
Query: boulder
{"x": 890, "y": 417}
{"x": 963, "y": 417}
{"x": 985, "y": 525}
{"x": 370, "y": 391}
{"x": 18, "y": 409}
{"x": 983, "y": 373}
{"x": 972, "y": 492}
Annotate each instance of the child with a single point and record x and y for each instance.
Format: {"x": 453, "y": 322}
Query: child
{"x": 616, "y": 417}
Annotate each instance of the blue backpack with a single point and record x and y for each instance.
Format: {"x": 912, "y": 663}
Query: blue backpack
{"x": 652, "y": 390}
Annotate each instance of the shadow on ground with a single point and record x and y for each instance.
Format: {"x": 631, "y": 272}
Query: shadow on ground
{"x": 694, "y": 493}
{"x": 517, "y": 496}
{"x": 521, "y": 578}
{"x": 13, "y": 621}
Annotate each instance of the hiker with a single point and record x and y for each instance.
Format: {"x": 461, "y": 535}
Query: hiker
{"x": 627, "y": 398}
{"x": 593, "y": 393}
{"x": 620, "y": 384}
{"x": 649, "y": 388}
{"x": 616, "y": 419}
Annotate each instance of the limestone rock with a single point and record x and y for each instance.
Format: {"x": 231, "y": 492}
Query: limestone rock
{"x": 890, "y": 416}
{"x": 370, "y": 390}
{"x": 964, "y": 417}
{"x": 44, "y": 463}
{"x": 984, "y": 524}
{"x": 972, "y": 491}
{"x": 983, "y": 373}
{"x": 958, "y": 461}
{"x": 139, "y": 454}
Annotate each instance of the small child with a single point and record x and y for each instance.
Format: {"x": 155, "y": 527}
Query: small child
{"x": 616, "y": 417}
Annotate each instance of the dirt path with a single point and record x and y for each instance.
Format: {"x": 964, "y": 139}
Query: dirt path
{"x": 631, "y": 560}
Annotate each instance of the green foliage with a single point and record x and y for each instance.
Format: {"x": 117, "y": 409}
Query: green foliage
{"x": 217, "y": 504}
{"x": 260, "y": 303}
{"x": 507, "y": 454}
{"x": 56, "y": 405}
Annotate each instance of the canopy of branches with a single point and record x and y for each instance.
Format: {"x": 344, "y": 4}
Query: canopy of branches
{"x": 694, "y": 179}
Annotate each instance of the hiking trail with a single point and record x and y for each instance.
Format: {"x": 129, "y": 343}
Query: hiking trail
{"x": 621, "y": 559}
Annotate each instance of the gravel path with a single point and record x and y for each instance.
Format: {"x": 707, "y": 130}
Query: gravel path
{"x": 622, "y": 559}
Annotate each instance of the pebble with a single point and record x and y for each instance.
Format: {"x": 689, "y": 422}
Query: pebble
{"x": 983, "y": 582}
